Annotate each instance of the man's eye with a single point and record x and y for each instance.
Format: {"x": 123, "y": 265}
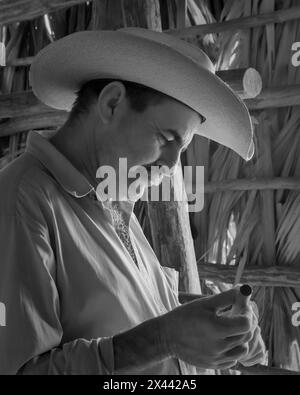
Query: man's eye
{"x": 162, "y": 139}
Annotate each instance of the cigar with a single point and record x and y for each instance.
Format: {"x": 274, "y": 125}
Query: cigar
{"x": 242, "y": 299}
{"x": 246, "y": 290}
{"x": 244, "y": 296}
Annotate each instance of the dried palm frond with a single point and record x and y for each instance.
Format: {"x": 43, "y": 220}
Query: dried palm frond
{"x": 266, "y": 223}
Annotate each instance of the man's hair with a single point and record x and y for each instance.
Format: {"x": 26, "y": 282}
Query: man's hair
{"x": 140, "y": 96}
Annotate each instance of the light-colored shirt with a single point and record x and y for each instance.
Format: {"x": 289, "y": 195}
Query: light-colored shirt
{"x": 66, "y": 279}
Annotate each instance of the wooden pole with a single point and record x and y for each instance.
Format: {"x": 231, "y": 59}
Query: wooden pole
{"x": 23, "y": 10}
{"x": 20, "y": 62}
{"x": 19, "y": 104}
{"x": 261, "y": 370}
{"x": 247, "y": 83}
{"x": 49, "y": 120}
{"x": 196, "y": 32}
{"x": 278, "y": 97}
{"x": 264, "y": 276}
{"x": 259, "y": 184}
{"x": 171, "y": 235}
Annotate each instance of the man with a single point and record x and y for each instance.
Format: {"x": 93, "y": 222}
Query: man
{"x": 83, "y": 290}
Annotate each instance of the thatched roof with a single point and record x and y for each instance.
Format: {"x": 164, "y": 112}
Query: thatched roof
{"x": 250, "y": 226}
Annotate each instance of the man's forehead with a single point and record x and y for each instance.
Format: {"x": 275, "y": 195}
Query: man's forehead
{"x": 182, "y": 119}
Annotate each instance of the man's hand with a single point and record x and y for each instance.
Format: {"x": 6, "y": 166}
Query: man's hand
{"x": 257, "y": 349}
{"x": 196, "y": 333}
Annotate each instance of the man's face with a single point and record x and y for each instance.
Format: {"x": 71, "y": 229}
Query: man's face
{"x": 156, "y": 137}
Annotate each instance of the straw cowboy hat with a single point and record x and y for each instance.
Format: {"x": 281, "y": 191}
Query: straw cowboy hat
{"x": 157, "y": 60}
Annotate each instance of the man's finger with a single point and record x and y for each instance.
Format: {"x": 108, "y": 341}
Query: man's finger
{"x": 235, "y": 354}
{"x": 223, "y": 300}
{"x": 234, "y": 341}
{"x": 234, "y": 326}
{"x": 258, "y": 358}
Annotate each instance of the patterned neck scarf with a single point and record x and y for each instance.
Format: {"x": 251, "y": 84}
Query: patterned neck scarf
{"x": 120, "y": 225}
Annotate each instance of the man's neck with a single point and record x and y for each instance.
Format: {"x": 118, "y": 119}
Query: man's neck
{"x": 78, "y": 147}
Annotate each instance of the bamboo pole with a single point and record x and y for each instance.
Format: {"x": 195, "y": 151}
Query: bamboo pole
{"x": 49, "y": 120}
{"x": 261, "y": 370}
{"x": 278, "y": 97}
{"x": 196, "y": 32}
{"x": 20, "y": 62}
{"x": 259, "y": 184}
{"x": 20, "y": 104}
{"x": 264, "y": 276}
{"x": 269, "y": 98}
{"x": 23, "y": 10}
{"x": 247, "y": 83}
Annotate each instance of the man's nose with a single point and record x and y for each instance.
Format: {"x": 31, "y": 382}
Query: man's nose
{"x": 170, "y": 158}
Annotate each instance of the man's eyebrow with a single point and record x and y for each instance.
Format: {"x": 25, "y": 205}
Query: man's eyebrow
{"x": 178, "y": 137}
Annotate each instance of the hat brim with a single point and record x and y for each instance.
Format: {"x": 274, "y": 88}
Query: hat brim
{"x": 60, "y": 69}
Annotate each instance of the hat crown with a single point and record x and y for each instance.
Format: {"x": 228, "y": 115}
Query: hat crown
{"x": 184, "y": 48}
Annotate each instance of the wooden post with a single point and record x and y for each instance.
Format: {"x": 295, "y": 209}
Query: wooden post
{"x": 171, "y": 235}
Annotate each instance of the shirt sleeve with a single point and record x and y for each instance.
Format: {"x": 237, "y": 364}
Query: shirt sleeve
{"x": 31, "y": 339}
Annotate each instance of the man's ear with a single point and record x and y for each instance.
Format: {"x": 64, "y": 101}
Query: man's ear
{"x": 111, "y": 96}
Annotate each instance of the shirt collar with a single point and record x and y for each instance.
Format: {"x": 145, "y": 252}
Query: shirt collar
{"x": 63, "y": 171}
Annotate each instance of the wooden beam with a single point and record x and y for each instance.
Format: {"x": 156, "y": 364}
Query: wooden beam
{"x": 19, "y": 104}
{"x": 259, "y": 184}
{"x": 278, "y": 97}
{"x": 263, "y": 276}
{"x": 197, "y": 32}
{"x": 20, "y": 62}
{"x": 247, "y": 83}
{"x": 23, "y": 10}
{"x": 261, "y": 370}
{"x": 49, "y": 120}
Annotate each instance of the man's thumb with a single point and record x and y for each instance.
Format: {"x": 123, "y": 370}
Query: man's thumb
{"x": 238, "y": 298}
{"x": 224, "y": 299}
